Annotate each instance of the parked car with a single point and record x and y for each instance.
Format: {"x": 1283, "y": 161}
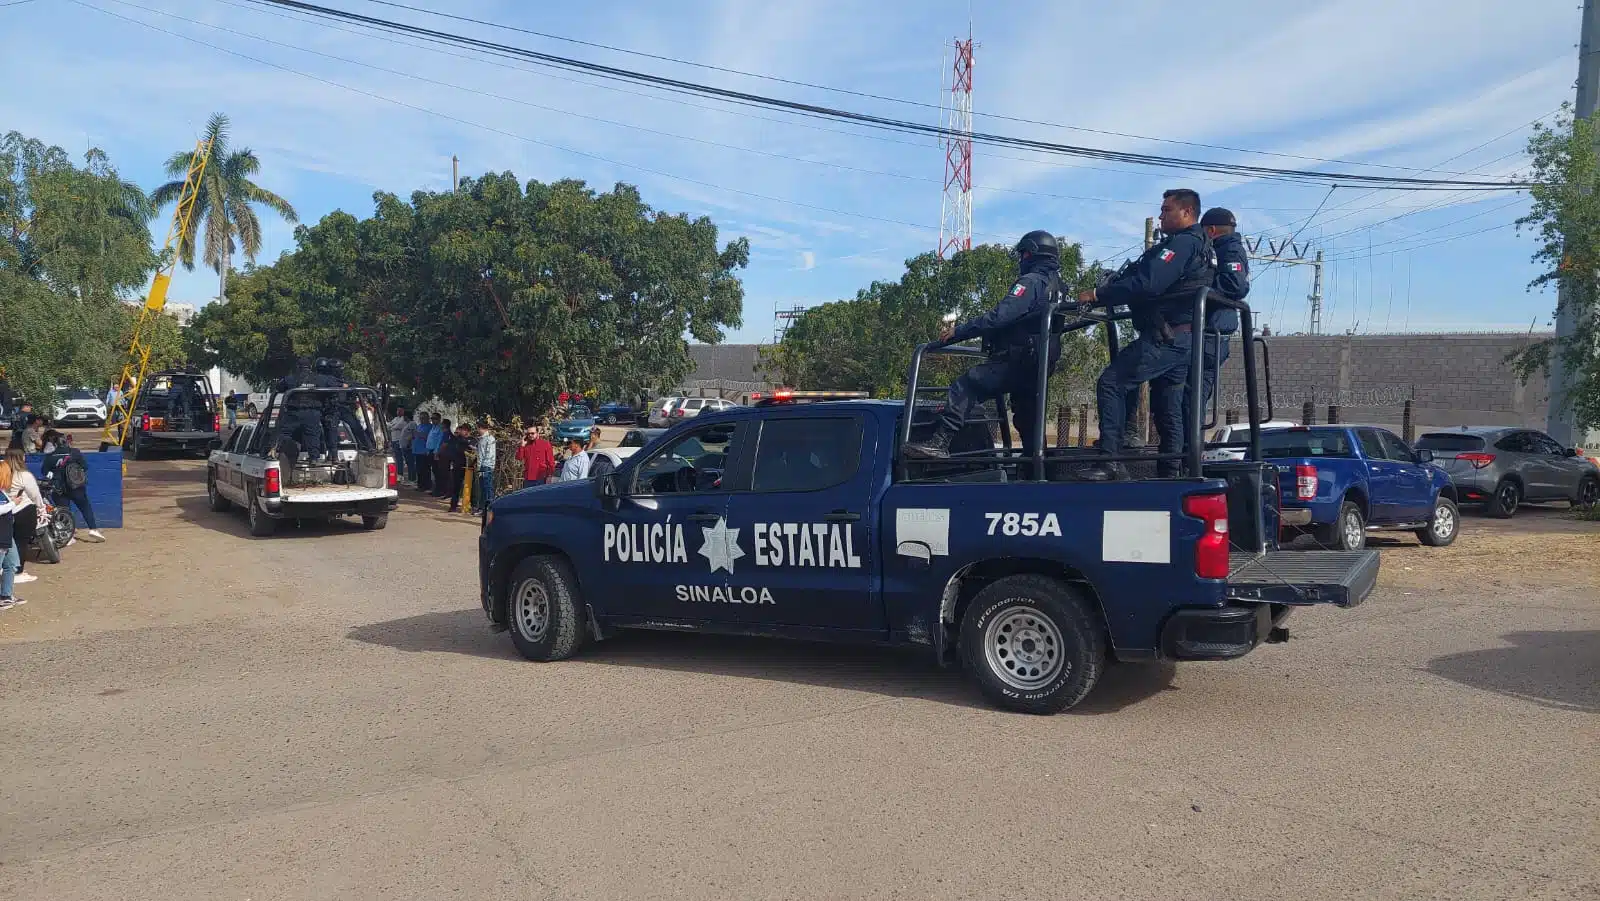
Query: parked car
{"x": 614, "y": 412}
{"x": 661, "y": 413}
{"x": 1500, "y": 467}
{"x": 579, "y": 428}
{"x": 78, "y": 407}
{"x": 1340, "y": 482}
{"x": 1236, "y": 437}
{"x": 694, "y": 406}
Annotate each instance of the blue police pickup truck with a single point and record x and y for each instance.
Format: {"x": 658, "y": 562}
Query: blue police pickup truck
{"x": 1340, "y": 482}
{"x": 803, "y": 520}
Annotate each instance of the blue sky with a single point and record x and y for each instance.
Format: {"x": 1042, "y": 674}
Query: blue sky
{"x": 829, "y": 207}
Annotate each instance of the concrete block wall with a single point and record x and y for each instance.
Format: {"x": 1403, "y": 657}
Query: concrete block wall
{"x": 1460, "y": 379}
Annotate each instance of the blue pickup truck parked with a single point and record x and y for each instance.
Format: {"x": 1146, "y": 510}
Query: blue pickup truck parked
{"x": 1339, "y": 482}
{"x": 803, "y": 520}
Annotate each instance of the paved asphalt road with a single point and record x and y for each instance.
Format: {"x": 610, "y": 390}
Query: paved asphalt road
{"x": 192, "y": 713}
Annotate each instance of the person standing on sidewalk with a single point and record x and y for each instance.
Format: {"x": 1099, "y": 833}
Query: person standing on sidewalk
{"x": 487, "y": 453}
{"x": 10, "y": 560}
{"x": 538, "y": 458}
{"x": 408, "y": 434}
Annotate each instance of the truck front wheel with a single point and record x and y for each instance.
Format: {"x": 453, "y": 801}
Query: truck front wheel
{"x": 1443, "y": 526}
{"x": 545, "y": 614}
{"x": 1033, "y": 643}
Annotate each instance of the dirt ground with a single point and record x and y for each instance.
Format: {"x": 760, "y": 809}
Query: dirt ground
{"x": 193, "y": 713}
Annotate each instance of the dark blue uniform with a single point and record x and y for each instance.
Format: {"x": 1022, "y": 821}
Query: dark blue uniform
{"x": 1233, "y": 282}
{"x": 1160, "y": 294}
{"x": 1010, "y": 334}
{"x": 301, "y": 417}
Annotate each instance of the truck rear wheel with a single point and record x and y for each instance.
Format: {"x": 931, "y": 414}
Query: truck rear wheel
{"x": 1347, "y": 533}
{"x": 545, "y": 614}
{"x": 374, "y": 523}
{"x": 1033, "y": 644}
{"x": 219, "y": 504}
{"x": 261, "y": 525}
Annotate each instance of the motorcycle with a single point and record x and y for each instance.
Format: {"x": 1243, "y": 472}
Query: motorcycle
{"x": 56, "y": 528}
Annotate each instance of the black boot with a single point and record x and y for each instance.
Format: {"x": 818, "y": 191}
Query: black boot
{"x": 936, "y": 447}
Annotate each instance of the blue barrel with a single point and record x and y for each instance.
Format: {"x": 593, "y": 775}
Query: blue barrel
{"x": 104, "y": 488}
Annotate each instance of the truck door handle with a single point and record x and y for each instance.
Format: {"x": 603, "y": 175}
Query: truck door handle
{"x": 842, "y": 516}
{"x": 703, "y": 516}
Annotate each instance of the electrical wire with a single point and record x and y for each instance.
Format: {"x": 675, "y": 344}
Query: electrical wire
{"x": 509, "y": 134}
{"x": 871, "y": 96}
{"x": 493, "y": 56}
{"x": 565, "y": 112}
{"x": 1387, "y": 182}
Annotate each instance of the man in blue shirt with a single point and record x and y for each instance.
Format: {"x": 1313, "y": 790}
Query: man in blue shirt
{"x": 577, "y": 466}
{"x": 1233, "y": 282}
{"x": 487, "y": 452}
{"x": 419, "y": 452}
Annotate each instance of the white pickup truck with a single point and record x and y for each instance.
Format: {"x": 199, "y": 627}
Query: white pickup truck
{"x": 273, "y": 481}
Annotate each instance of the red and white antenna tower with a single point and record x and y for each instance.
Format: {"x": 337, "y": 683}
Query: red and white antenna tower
{"x": 955, "y": 216}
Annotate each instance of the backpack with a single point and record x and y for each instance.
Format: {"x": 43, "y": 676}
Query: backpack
{"x": 75, "y": 474}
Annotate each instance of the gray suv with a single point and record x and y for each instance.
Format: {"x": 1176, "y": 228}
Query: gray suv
{"x": 1501, "y": 466}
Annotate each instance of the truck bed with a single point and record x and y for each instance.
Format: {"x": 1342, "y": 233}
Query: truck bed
{"x": 334, "y": 494}
{"x": 1343, "y": 578}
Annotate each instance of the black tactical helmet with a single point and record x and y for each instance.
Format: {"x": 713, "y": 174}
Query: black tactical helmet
{"x": 1038, "y": 241}
{"x": 325, "y": 365}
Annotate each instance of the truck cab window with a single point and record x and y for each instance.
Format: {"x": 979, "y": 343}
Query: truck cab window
{"x": 1395, "y": 449}
{"x": 694, "y": 462}
{"x": 807, "y": 454}
{"x": 1371, "y": 444}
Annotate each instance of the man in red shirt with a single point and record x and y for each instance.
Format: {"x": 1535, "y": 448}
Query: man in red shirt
{"x": 538, "y": 459}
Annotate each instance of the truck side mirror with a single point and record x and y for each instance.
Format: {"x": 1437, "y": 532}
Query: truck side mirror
{"x": 608, "y": 487}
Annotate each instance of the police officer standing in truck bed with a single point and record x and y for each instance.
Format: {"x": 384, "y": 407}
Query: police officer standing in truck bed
{"x": 1159, "y": 291}
{"x": 1233, "y": 282}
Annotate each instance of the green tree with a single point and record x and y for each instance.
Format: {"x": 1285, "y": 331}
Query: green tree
{"x": 224, "y": 209}
{"x": 497, "y": 297}
{"x": 865, "y": 343}
{"x": 73, "y": 246}
{"x": 1565, "y": 221}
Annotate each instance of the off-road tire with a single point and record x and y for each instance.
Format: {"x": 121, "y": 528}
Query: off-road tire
{"x": 261, "y": 525}
{"x": 562, "y": 630}
{"x": 1506, "y": 499}
{"x": 1435, "y": 534}
{"x": 1066, "y": 633}
{"x": 219, "y": 504}
{"x": 375, "y": 523}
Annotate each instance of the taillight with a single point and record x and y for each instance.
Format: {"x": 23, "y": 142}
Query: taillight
{"x": 216, "y": 422}
{"x": 1211, "y": 551}
{"x": 1305, "y": 482}
{"x": 677, "y": 412}
{"x": 394, "y": 475}
{"x": 144, "y": 422}
{"x": 272, "y": 482}
{"x": 1478, "y": 461}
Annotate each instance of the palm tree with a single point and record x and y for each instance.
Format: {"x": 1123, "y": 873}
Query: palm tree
{"x": 223, "y": 208}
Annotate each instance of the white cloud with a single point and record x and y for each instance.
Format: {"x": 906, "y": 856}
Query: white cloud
{"x": 808, "y": 260}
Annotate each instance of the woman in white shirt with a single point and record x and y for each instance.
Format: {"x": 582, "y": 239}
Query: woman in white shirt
{"x": 9, "y": 559}
{"x": 25, "y": 496}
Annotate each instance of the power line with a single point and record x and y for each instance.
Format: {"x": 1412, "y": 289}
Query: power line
{"x": 514, "y": 135}
{"x": 871, "y": 96}
{"x": 806, "y": 109}
{"x": 603, "y": 120}
{"x": 1441, "y": 226}
{"x": 376, "y": 34}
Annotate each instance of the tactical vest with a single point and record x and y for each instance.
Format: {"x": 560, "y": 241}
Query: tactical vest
{"x": 1019, "y": 342}
{"x": 1177, "y": 302}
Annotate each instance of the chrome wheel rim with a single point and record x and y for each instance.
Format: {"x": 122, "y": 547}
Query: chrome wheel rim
{"x": 1444, "y": 522}
{"x": 1353, "y": 533}
{"x": 1023, "y": 648}
{"x": 532, "y": 610}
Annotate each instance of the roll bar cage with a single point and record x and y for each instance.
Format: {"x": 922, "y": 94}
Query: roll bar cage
{"x": 1053, "y": 320}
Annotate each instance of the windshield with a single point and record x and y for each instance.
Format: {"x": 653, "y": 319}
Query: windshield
{"x": 81, "y": 394}
{"x": 1306, "y": 443}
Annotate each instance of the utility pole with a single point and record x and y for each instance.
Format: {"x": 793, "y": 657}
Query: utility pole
{"x": 455, "y": 173}
{"x": 1559, "y": 422}
{"x": 1267, "y": 251}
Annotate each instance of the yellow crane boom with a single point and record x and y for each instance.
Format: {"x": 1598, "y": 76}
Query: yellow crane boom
{"x": 131, "y": 380}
